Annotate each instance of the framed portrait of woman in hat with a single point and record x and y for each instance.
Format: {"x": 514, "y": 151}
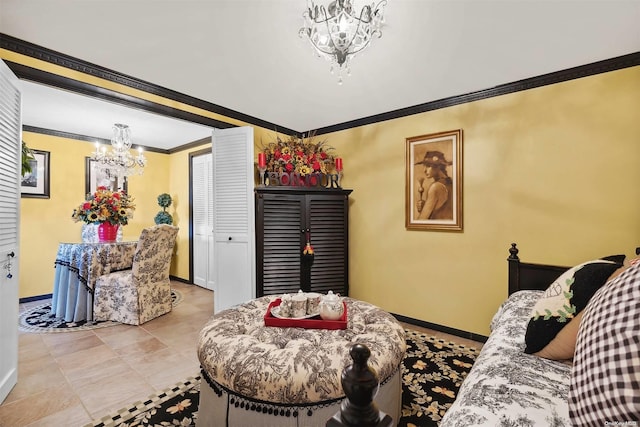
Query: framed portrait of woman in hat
{"x": 433, "y": 189}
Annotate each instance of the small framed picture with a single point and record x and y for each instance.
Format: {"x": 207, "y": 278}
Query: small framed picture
{"x": 96, "y": 177}
{"x": 35, "y": 184}
{"x": 433, "y": 189}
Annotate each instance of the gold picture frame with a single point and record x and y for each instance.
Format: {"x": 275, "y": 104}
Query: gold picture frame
{"x": 433, "y": 189}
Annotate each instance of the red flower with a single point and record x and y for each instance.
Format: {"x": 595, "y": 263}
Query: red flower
{"x": 86, "y": 206}
{"x": 116, "y": 196}
{"x": 297, "y": 154}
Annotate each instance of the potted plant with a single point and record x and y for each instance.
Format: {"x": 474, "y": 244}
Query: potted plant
{"x": 27, "y": 156}
{"x": 164, "y": 217}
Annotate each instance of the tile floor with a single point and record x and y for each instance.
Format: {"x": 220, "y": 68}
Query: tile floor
{"x": 69, "y": 379}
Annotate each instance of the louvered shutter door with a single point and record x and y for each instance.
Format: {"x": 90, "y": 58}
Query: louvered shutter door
{"x": 233, "y": 218}
{"x": 202, "y": 218}
{"x": 10, "y": 162}
{"x": 327, "y": 219}
{"x": 210, "y": 243}
{"x": 281, "y": 244}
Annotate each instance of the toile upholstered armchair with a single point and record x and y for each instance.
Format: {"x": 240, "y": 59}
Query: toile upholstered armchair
{"x": 143, "y": 292}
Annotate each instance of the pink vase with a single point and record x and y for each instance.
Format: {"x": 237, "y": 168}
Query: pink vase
{"x": 107, "y": 232}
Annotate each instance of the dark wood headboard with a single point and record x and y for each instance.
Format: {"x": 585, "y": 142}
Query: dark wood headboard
{"x": 528, "y": 276}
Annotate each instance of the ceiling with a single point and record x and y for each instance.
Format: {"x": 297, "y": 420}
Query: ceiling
{"x": 245, "y": 55}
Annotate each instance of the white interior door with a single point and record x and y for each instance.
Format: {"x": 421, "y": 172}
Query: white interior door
{"x": 233, "y": 217}
{"x": 10, "y": 164}
{"x": 202, "y": 185}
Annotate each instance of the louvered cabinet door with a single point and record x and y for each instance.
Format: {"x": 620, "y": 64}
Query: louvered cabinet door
{"x": 328, "y": 224}
{"x": 278, "y": 245}
{"x": 283, "y": 216}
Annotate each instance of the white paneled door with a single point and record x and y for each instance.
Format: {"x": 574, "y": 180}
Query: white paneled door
{"x": 10, "y": 163}
{"x": 202, "y": 187}
{"x": 233, "y": 217}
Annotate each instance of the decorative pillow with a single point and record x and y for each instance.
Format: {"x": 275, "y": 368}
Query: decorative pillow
{"x": 563, "y": 345}
{"x": 565, "y": 298}
{"x": 605, "y": 377}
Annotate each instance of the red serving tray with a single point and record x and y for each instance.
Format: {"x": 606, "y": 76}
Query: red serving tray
{"x": 311, "y": 323}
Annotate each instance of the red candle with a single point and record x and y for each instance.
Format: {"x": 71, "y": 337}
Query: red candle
{"x": 262, "y": 160}
{"x": 338, "y": 164}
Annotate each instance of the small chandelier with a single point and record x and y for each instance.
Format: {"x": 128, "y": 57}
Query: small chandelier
{"x": 338, "y": 33}
{"x": 119, "y": 162}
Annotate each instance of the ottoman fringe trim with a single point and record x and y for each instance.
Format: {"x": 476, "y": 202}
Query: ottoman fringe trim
{"x": 271, "y": 408}
{"x": 276, "y": 409}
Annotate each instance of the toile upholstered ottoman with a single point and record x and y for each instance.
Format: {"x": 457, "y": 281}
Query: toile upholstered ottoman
{"x": 257, "y": 375}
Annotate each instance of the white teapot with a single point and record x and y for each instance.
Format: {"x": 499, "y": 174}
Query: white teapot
{"x": 331, "y": 307}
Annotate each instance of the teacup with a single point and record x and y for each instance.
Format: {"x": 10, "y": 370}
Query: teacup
{"x": 285, "y": 308}
{"x": 299, "y": 305}
{"x": 313, "y": 302}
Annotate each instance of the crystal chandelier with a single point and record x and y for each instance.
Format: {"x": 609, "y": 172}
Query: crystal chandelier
{"x": 119, "y": 162}
{"x": 338, "y": 32}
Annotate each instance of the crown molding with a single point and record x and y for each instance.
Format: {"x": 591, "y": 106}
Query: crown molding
{"x": 93, "y": 139}
{"x": 605, "y": 66}
{"x": 38, "y": 52}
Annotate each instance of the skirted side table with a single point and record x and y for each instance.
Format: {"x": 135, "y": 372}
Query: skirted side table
{"x": 259, "y": 375}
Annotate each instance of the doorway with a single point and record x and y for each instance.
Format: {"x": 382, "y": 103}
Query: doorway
{"x": 201, "y": 173}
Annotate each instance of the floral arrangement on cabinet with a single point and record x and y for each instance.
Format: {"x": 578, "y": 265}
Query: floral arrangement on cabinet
{"x": 299, "y": 155}
{"x": 114, "y": 207}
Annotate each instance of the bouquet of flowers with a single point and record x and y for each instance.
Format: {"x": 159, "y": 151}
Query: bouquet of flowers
{"x": 114, "y": 207}
{"x": 300, "y": 155}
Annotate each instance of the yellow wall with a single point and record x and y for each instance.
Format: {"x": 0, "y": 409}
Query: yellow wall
{"x": 46, "y": 222}
{"x": 554, "y": 169}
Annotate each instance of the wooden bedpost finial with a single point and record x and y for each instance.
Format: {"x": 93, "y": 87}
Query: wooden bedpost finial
{"x": 513, "y": 252}
{"x": 360, "y": 383}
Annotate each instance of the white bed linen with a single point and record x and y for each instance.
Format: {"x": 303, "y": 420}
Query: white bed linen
{"x": 507, "y": 387}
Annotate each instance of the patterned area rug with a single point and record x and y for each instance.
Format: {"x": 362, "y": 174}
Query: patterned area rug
{"x": 432, "y": 372}
{"x": 40, "y": 319}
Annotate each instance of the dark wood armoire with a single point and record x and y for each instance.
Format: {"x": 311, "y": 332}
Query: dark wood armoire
{"x": 285, "y": 218}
